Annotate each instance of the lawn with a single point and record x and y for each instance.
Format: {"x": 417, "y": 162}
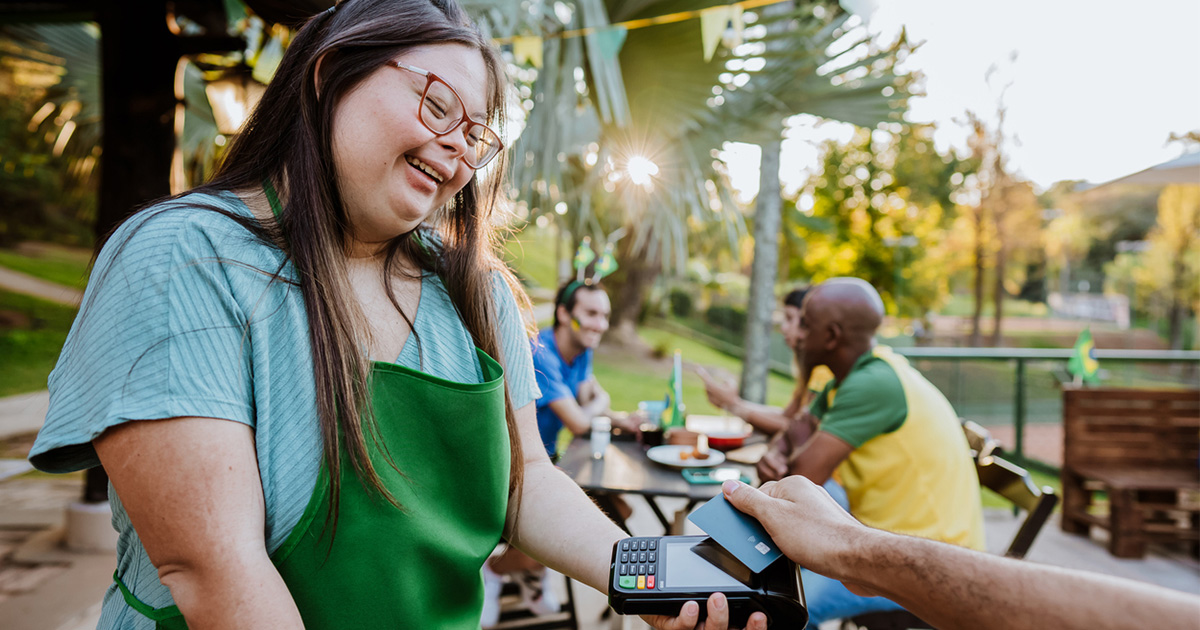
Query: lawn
{"x": 629, "y": 379}
{"x": 60, "y": 265}
{"x": 30, "y": 351}
{"x": 531, "y": 252}
{"x": 964, "y": 306}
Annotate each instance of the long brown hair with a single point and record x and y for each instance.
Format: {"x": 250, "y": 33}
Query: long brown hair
{"x": 288, "y": 140}
{"x": 795, "y": 299}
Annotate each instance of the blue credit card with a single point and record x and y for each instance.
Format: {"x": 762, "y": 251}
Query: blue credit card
{"x": 738, "y": 533}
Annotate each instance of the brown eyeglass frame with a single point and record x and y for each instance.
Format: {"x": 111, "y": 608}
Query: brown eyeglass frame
{"x": 430, "y": 78}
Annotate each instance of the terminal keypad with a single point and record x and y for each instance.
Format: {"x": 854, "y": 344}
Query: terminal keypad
{"x": 637, "y": 563}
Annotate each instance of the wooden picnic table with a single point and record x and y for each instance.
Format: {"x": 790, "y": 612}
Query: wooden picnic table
{"x": 625, "y": 469}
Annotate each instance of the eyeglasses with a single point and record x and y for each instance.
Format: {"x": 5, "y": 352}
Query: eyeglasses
{"x": 442, "y": 111}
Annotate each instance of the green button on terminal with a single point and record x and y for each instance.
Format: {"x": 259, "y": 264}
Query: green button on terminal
{"x": 628, "y": 581}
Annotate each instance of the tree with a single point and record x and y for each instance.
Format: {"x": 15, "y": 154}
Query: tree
{"x": 880, "y": 210}
{"x": 767, "y": 220}
{"x": 1167, "y": 273}
{"x": 1006, "y": 224}
{"x": 49, "y": 125}
{"x": 660, "y": 100}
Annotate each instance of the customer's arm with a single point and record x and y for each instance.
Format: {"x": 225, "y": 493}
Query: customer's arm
{"x": 577, "y": 415}
{"x": 193, "y": 493}
{"x": 948, "y": 586}
{"x": 765, "y": 418}
{"x": 559, "y": 526}
{"x": 776, "y": 462}
{"x": 819, "y": 457}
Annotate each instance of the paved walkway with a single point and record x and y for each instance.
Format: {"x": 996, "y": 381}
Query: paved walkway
{"x": 23, "y": 413}
{"x": 29, "y": 285}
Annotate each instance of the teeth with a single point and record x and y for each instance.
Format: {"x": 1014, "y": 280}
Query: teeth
{"x": 429, "y": 170}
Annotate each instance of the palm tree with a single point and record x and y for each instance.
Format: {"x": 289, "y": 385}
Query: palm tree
{"x": 591, "y": 113}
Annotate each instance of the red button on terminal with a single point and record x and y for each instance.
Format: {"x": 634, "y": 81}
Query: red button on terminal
{"x": 649, "y": 581}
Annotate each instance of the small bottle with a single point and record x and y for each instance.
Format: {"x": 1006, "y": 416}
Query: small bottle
{"x": 601, "y": 436}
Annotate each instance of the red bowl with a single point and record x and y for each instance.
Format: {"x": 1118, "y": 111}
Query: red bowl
{"x": 724, "y": 432}
{"x": 726, "y": 442}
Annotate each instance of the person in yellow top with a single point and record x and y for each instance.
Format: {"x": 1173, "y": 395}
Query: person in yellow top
{"x": 885, "y": 432}
{"x": 765, "y": 418}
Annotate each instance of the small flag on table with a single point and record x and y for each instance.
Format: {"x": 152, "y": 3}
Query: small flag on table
{"x": 676, "y": 385}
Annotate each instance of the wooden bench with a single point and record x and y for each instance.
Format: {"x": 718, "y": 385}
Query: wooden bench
{"x": 1142, "y": 448}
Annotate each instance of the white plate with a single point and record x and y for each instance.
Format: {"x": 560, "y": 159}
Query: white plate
{"x": 719, "y": 426}
{"x": 668, "y": 455}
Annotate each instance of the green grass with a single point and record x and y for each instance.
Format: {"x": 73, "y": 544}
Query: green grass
{"x": 964, "y": 306}
{"x": 60, "y": 265}
{"x": 531, "y": 253}
{"x": 30, "y": 353}
{"x": 629, "y": 381}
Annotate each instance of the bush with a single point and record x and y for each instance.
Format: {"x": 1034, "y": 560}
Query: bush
{"x": 681, "y": 303}
{"x": 730, "y": 318}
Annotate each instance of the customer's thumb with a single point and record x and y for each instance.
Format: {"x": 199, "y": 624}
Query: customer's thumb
{"x": 745, "y": 498}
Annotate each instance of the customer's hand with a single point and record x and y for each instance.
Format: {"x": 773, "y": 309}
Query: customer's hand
{"x": 718, "y": 617}
{"x": 806, "y": 523}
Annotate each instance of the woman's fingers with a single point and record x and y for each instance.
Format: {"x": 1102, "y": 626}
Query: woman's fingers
{"x": 718, "y": 612}
{"x": 689, "y": 615}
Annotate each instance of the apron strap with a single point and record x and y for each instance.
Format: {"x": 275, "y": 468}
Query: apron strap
{"x": 154, "y": 614}
{"x": 273, "y": 198}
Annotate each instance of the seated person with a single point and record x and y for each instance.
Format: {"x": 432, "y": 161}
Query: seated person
{"x": 570, "y": 397}
{"x": 562, "y": 363}
{"x": 891, "y": 436}
{"x": 765, "y": 418}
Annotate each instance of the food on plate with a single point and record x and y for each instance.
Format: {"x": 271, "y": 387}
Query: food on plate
{"x": 701, "y": 450}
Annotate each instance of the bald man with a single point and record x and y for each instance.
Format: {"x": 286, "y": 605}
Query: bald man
{"x": 883, "y": 431}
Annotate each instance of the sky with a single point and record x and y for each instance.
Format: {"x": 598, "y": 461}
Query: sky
{"x": 1094, "y": 91}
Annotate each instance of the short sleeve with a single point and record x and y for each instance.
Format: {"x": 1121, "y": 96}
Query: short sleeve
{"x": 870, "y": 402}
{"x": 518, "y": 361}
{"x": 160, "y": 335}
{"x": 547, "y": 367}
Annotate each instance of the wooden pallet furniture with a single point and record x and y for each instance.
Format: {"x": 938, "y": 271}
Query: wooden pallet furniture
{"x": 1142, "y": 449}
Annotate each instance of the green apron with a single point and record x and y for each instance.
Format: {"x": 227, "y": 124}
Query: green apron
{"x": 418, "y": 566}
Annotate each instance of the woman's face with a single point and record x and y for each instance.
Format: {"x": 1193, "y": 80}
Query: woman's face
{"x": 382, "y": 151}
{"x": 790, "y": 327}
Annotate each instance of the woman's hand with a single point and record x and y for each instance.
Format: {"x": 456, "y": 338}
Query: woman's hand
{"x": 722, "y": 394}
{"x": 718, "y": 617}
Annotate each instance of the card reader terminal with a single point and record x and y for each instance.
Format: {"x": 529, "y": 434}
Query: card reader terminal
{"x": 657, "y": 575}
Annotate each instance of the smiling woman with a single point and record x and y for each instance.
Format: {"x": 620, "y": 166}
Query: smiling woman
{"x": 309, "y": 379}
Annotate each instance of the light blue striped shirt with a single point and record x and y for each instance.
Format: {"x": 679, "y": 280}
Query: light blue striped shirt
{"x": 186, "y": 323}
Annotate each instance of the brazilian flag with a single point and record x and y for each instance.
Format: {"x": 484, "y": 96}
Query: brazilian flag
{"x": 1083, "y": 364}
{"x": 606, "y": 265}
{"x": 584, "y": 254}
{"x": 676, "y": 386}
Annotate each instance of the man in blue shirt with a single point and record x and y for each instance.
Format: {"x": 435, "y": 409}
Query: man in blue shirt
{"x": 571, "y": 397}
{"x": 562, "y": 363}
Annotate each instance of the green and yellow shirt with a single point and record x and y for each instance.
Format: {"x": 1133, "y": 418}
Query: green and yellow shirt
{"x": 911, "y": 470}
